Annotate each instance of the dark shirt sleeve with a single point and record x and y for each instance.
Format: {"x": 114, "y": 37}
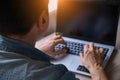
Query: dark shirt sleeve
{"x": 17, "y": 67}
{"x": 50, "y": 72}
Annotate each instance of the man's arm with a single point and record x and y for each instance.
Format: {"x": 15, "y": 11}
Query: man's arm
{"x": 48, "y": 46}
{"x": 92, "y": 59}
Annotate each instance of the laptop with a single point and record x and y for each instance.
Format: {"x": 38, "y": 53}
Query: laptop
{"x": 82, "y": 22}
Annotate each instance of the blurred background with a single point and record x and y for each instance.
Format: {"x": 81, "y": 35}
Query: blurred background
{"x": 52, "y": 5}
{"x": 52, "y": 16}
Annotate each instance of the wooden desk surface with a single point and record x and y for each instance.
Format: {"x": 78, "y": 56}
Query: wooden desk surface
{"x": 112, "y": 69}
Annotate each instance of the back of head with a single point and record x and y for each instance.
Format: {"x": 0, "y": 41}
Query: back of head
{"x": 18, "y": 16}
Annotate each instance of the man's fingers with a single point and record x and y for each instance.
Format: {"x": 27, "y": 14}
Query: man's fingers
{"x": 86, "y": 47}
{"x": 91, "y": 46}
{"x": 60, "y": 52}
{"x": 96, "y": 50}
{"x": 57, "y": 37}
{"x": 101, "y": 50}
{"x": 59, "y": 41}
{"x": 81, "y": 56}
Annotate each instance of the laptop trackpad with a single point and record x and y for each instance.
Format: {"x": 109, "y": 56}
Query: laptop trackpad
{"x": 70, "y": 61}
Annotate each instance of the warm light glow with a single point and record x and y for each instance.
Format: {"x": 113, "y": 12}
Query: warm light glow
{"x": 52, "y": 5}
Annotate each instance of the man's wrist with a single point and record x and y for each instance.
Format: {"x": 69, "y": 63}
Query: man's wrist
{"x": 95, "y": 69}
{"x": 97, "y": 73}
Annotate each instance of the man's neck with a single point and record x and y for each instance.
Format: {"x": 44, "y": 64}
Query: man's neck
{"x": 30, "y": 38}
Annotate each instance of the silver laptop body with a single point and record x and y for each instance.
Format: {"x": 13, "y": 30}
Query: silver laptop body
{"x": 82, "y": 22}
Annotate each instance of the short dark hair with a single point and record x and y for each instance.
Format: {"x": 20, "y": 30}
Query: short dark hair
{"x": 18, "y": 16}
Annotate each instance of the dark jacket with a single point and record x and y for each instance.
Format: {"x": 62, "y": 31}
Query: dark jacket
{"x": 19, "y": 61}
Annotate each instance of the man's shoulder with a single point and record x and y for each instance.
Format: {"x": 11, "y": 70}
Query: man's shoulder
{"x": 16, "y": 65}
{"x": 12, "y": 57}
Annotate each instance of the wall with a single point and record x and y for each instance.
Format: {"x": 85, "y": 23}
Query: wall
{"x": 118, "y": 34}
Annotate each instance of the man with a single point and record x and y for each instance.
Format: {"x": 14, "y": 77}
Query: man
{"x": 22, "y": 22}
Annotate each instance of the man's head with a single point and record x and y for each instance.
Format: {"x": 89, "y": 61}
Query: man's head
{"x": 17, "y": 17}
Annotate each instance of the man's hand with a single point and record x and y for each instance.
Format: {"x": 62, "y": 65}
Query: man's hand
{"x": 92, "y": 57}
{"x": 48, "y": 46}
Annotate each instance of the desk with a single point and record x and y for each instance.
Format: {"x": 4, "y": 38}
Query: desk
{"x": 112, "y": 69}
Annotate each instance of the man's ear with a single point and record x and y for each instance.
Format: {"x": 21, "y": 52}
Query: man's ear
{"x": 43, "y": 21}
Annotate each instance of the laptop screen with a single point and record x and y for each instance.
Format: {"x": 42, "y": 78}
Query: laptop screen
{"x": 91, "y": 21}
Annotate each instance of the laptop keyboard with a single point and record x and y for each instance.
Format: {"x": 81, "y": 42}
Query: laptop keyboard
{"x": 72, "y": 47}
{"x": 75, "y": 48}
